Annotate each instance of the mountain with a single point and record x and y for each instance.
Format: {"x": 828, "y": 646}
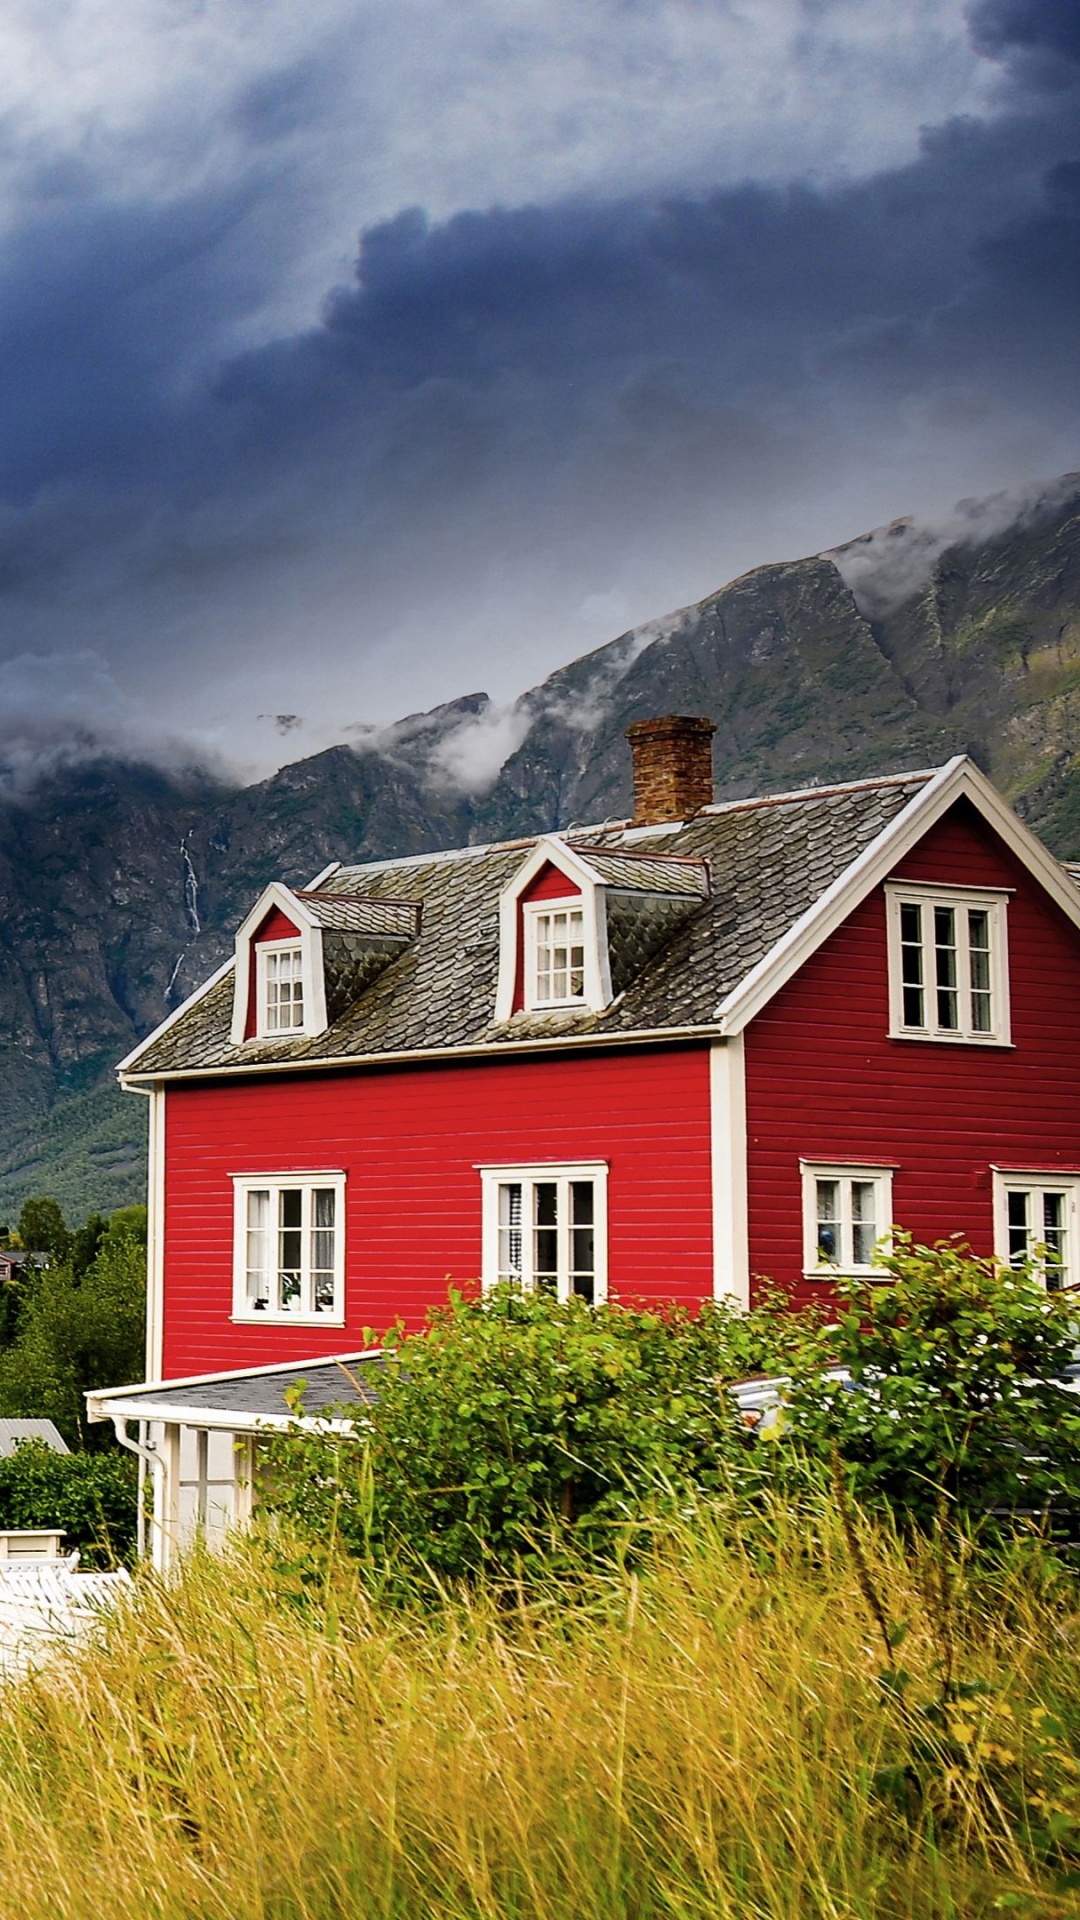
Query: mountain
{"x": 121, "y": 884}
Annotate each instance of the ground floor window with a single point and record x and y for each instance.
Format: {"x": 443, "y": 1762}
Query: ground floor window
{"x": 546, "y": 1226}
{"x": 289, "y": 1247}
{"x": 847, "y": 1212}
{"x": 1036, "y": 1221}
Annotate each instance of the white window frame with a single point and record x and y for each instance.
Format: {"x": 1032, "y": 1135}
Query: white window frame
{"x": 562, "y": 1173}
{"x": 304, "y": 1315}
{"x": 845, "y": 1172}
{"x": 1012, "y": 1180}
{"x": 263, "y": 951}
{"x": 994, "y": 902}
{"x": 533, "y": 912}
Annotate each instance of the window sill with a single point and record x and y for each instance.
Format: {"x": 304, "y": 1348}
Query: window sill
{"x": 287, "y": 1319}
{"x": 954, "y": 1040}
{"x": 845, "y": 1273}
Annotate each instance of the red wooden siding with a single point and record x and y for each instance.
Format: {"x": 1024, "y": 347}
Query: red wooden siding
{"x": 277, "y": 926}
{"x": 549, "y": 884}
{"x": 409, "y": 1141}
{"x": 824, "y": 1081}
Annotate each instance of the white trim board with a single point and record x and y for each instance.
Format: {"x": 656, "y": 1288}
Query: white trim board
{"x": 730, "y": 1204}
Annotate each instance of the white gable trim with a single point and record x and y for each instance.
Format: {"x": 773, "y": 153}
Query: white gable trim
{"x": 553, "y": 851}
{"x": 311, "y": 949}
{"x": 958, "y": 779}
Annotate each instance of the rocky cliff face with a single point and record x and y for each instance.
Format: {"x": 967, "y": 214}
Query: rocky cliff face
{"x": 120, "y": 886}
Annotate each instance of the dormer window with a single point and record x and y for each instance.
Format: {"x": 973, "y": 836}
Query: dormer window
{"x": 555, "y": 955}
{"x": 281, "y": 988}
{"x": 304, "y": 957}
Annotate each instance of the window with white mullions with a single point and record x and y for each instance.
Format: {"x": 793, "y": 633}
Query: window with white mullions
{"x": 545, "y": 1228}
{"x": 1037, "y": 1225}
{"x": 289, "y": 1241}
{"x": 281, "y": 989}
{"x": 846, "y": 1214}
{"x": 948, "y": 964}
{"x": 555, "y": 955}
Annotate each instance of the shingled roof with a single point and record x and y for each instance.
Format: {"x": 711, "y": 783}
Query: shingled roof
{"x": 756, "y": 865}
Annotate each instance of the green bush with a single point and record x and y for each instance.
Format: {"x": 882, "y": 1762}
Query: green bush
{"x": 92, "y": 1496}
{"x": 515, "y": 1424}
{"x": 515, "y": 1421}
{"x": 955, "y": 1407}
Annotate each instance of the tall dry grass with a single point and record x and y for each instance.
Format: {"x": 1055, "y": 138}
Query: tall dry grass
{"x": 699, "y": 1738}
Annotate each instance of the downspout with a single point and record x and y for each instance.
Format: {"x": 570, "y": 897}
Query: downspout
{"x": 149, "y": 1461}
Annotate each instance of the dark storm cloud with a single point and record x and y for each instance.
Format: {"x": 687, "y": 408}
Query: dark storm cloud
{"x": 553, "y": 401}
{"x": 1039, "y": 32}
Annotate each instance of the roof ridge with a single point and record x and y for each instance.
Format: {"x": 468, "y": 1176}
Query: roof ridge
{"x": 437, "y": 856}
{"x": 817, "y": 793}
{"x": 638, "y": 853}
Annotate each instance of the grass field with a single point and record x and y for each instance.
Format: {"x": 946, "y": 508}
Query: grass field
{"x": 706, "y": 1736}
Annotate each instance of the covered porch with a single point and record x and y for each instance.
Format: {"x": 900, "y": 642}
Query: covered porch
{"x": 198, "y": 1438}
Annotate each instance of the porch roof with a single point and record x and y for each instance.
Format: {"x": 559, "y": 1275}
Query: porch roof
{"x": 251, "y": 1399}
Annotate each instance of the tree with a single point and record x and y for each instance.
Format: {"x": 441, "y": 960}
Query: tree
{"x": 43, "y": 1229}
{"x": 77, "y": 1333}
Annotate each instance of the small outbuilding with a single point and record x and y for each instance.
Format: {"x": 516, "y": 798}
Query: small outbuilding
{"x": 14, "y": 1432}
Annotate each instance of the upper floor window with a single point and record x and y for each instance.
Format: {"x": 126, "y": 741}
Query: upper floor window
{"x": 847, "y": 1212}
{"x": 281, "y": 987}
{"x": 546, "y": 1227}
{"x": 1036, "y": 1222}
{"x": 289, "y": 1247}
{"x": 948, "y": 964}
{"x": 554, "y": 955}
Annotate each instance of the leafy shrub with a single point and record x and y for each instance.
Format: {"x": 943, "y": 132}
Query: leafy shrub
{"x": 92, "y": 1496}
{"x": 954, "y": 1362}
{"x": 515, "y": 1420}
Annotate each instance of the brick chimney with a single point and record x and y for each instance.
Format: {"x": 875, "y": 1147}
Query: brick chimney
{"x": 672, "y": 767}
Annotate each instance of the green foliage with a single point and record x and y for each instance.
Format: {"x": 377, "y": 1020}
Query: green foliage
{"x": 516, "y": 1427}
{"x": 92, "y": 1496}
{"x": 516, "y": 1422}
{"x": 43, "y": 1229}
{"x": 953, "y": 1362}
{"x": 80, "y": 1331}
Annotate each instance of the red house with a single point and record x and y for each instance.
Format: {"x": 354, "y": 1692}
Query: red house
{"x": 654, "y": 1059}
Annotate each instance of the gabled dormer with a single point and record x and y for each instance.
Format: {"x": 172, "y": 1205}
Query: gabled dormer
{"x": 577, "y": 923}
{"x": 302, "y": 958}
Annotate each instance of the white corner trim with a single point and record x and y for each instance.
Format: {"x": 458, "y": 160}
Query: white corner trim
{"x": 730, "y": 1215}
{"x": 331, "y": 867}
{"x": 553, "y": 851}
{"x": 958, "y": 779}
{"x": 155, "y": 1235}
{"x": 177, "y": 1013}
{"x": 312, "y": 974}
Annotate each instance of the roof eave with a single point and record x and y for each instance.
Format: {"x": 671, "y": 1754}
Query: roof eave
{"x": 704, "y": 1032}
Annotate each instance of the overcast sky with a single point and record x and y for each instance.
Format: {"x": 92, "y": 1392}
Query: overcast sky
{"x": 361, "y": 354}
